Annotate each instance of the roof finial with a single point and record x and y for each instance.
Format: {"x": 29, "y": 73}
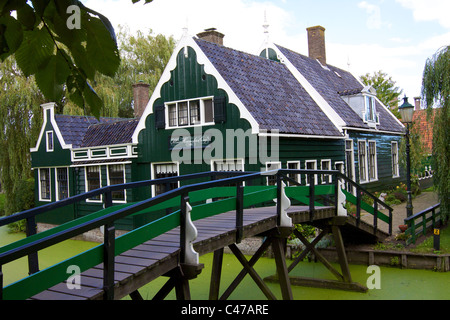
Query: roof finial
{"x": 266, "y": 26}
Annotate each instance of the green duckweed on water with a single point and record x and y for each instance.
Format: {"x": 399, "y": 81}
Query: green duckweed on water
{"x": 396, "y": 284}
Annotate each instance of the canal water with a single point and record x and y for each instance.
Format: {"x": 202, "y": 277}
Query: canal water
{"x": 394, "y": 283}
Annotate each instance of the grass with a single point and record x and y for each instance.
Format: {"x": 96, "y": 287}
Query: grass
{"x": 427, "y": 245}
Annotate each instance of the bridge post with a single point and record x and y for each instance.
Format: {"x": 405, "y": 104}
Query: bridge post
{"x": 108, "y": 261}
{"x": 189, "y": 267}
{"x": 278, "y": 247}
{"x": 33, "y": 260}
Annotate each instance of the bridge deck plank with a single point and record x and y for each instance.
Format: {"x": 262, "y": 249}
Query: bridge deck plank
{"x": 154, "y": 258}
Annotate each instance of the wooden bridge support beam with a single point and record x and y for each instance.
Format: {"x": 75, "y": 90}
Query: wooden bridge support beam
{"x": 344, "y": 280}
{"x": 276, "y": 238}
{"x": 179, "y": 279}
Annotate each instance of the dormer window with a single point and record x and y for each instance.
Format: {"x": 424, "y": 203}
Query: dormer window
{"x": 370, "y": 114}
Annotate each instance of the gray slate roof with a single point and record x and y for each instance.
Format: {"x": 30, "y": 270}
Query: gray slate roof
{"x": 74, "y": 128}
{"x": 105, "y": 134}
{"x": 269, "y": 91}
{"x": 334, "y": 83}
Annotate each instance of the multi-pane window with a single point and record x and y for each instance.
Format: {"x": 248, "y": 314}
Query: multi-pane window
{"x": 293, "y": 165}
{"x": 227, "y": 165}
{"x": 194, "y": 112}
{"x": 165, "y": 170}
{"x": 116, "y": 174}
{"x": 349, "y": 165}
{"x": 372, "y": 160}
{"x": 394, "y": 153}
{"x": 62, "y": 182}
{"x": 311, "y": 165}
{"x": 93, "y": 180}
{"x": 183, "y": 114}
{"x": 172, "y": 109}
{"x": 362, "y": 161}
{"x": 44, "y": 182}
{"x": 191, "y": 112}
{"x": 325, "y": 165}
{"x": 272, "y": 179}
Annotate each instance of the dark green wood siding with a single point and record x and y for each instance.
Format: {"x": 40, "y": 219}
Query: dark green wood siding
{"x": 384, "y": 159}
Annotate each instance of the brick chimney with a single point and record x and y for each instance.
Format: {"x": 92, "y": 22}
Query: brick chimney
{"x": 212, "y": 35}
{"x": 140, "y": 97}
{"x": 417, "y": 103}
{"x": 316, "y": 44}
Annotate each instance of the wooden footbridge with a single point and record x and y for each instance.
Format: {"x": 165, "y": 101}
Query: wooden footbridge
{"x": 208, "y": 217}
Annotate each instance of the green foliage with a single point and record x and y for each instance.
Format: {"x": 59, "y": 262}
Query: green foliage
{"x": 436, "y": 92}
{"x": 387, "y": 92}
{"x": 20, "y": 118}
{"x": 57, "y": 53}
{"x": 2, "y": 204}
{"x": 143, "y": 58}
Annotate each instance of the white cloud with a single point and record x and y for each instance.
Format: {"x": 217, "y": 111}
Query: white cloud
{"x": 374, "y": 20}
{"x": 243, "y": 31}
{"x": 429, "y": 10}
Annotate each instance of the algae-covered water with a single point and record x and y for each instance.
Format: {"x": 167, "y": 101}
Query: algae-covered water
{"x": 395, "y": 283}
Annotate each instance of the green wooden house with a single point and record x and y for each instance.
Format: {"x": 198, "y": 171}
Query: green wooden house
{"x": 220, "y": 109}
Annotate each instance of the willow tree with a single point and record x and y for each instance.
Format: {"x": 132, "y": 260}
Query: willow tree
{"x": 143, "y": 57}
{"x": 20, "y": 120}
{"x": 436, "y": 92}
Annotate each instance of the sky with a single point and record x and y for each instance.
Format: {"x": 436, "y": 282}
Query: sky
{"x": 394, "y": 36}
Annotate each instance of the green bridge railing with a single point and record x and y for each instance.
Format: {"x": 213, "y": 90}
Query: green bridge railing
{"x": 231, "y": 190}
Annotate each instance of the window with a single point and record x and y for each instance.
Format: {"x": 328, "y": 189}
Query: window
{"x": 311, "y": 165}
{"x": 325, "y": 165}
{"x": 183, "y": 114}
{"x": 370, "y": 114}
{"x": 93, "y": 180}
{"x": 293, "y": 165}
{"x": 191, "y": 112}
{"x": 227, "y": 165}
{"x": 172, "y": 109}
{"x": 194, "y": 112}
{"x": 362, "y": 161}
{"x": 49, "y": 140}
{"x": 44, "y": 184}
{"x": 394, "y": 153}
{"x": 62, "y": 183}
{"x": 165, "y": 170}
{"x": 373, "y": 172}
{"x": 116, "y": 175}
{"x": 272, "y": 179}
{"x": 349, "y": 162}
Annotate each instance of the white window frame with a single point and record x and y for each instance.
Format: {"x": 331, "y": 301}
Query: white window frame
{"x": 395, "y": 164}
{"x": 47, "y": 141}
{"x": 124, "y": 181}
{"x": 86, "y": 182}
{"x": 316, "y": 177}
{"x": 352, "y": 159}
{"x": 297, "y": 177}
{"x": 225, "y": 161}
{"x": 375, "y": 164}
{"x": 49, "y": 183}
{"x": 188, "y": 101}
{"x": 153, "y": 172}
{"x": 365, "y": 162}
{"x": 58, "y": 196}
{"x": 325, "y": 177}
{"x": 270, "y": 164}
